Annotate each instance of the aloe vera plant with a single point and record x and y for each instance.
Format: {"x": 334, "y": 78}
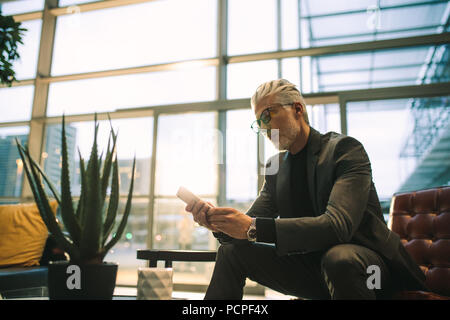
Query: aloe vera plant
{"x": 90, "y": 222}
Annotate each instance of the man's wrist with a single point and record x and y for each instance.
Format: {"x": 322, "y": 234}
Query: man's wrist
{"x": 251, "y": 231}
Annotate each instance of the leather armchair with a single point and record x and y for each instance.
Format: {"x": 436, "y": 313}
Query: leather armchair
{"x": 422, "y": 220}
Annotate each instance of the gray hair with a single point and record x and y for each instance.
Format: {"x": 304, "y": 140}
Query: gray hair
{"x": 284, "y": 92}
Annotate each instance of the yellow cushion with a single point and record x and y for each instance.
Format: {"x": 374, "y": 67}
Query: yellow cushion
{"x": 23, "y": 234}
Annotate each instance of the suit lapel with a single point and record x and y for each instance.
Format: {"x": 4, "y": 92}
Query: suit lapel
{"x": 284, "y": 187}
{"x": 314, "y": 145}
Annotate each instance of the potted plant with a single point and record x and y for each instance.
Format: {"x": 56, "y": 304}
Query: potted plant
{"x": 88, "y": 224}
{"x": 10, "y": 36}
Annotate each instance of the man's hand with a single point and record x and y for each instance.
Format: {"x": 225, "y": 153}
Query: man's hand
{"x": 199, "y": 210}
{"x": 230, "y": 221}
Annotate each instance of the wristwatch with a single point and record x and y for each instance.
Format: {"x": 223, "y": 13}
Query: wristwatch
{"x": 251, "y": 232}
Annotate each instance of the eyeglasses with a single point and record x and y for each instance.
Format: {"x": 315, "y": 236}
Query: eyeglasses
{"x": 265, "y": 118}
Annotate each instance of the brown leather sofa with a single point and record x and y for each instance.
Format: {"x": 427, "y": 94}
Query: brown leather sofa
{"x": 422, "y": 220}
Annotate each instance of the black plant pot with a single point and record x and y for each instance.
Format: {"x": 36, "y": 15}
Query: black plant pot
{"x": 67, "y": 281}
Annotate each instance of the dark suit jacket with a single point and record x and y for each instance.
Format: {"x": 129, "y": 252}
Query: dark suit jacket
{"x": 345, "y": 202}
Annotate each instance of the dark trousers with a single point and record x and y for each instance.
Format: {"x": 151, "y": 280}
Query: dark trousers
{"x": 339, "y": 273}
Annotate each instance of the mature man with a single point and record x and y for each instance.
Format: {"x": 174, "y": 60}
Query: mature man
{"x": 320, "y": 212}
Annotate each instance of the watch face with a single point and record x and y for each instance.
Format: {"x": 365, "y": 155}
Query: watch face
{"x": 252, "y": 233}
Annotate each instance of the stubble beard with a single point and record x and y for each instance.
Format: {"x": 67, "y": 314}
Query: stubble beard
{"x": 282, "y": 140}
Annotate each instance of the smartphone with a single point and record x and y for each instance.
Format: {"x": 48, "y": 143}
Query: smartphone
{"x": 185, "y": 195}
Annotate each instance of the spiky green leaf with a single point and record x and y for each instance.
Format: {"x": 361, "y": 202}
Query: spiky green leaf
{"x": 44, "y": 206}
{"x": 113, "y": 202}
{"x": 67, "y": 211}
{"x": 32, "y": 182}
{"x": 126, "y": 213}
{"x": 107, "y": 165}
{"x": 80, "y": 210}
{"x": 50, "y": 184}
{"x": 92, "y": 220}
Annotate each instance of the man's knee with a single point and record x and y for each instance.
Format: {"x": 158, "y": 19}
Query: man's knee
{"x": 232, "y": 250}
{"x": 341, "y": 262}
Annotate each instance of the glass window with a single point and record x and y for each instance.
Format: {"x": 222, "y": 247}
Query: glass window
{"x": 128, "y": 91}
{"x": 251, "y": 26}
{"x": 438, "y": 70}
{"x": 187, "y": 155}
{"x": 330, "y": 6}
{"x": 406, "y": 140}
{"x": 80, "y": 137}
{"x": 426, "y": 149}
{"x": 11, "y": 166}
{"x": 241, "y": 165}
{"x": 290, "y": 70}
{"x": 374, "y": 69}
{"x": 188, "y": 148}
{"x": 244, "y": 78}
{"x": 174, "y": 228}
{"x": 133, "y": 238}
{"x": 16, "y": 103}
{"x": 289, "y": 24}
{"x": 25, "y": 67}
{"x": 364, "y": 122}
{"x": 23, "y": 6}
{"x": 335, "y": 22}
{"x": 149, "y": 33}
{"x": 324, "y": 118}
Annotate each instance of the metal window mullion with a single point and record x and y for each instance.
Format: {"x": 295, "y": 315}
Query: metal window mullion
{"x": 238, "y": 104}
{"x": 427, "y": 90}
{"x": 279, "y": 37}
{"x": 14, "y": 124}
{"x": 25, "y": 82}
{"x": 424, "y": 40}
{"x": 151, "y": 202}
{"x": 300, "y": 60}
{"x": 99, "y": 5}
{"x": 418, "y": 91}
{"x": 343, "y": 114}
{"x": 223, "y": 60}
{"x": 37, "y": 124}
{"x": 222, "y": 158}
{"x": 355, "y": 35}
{"x": 56, "y": 11}
{"x": 222, "y": 49}
{"x": 221, "y": 94}
{"x": 170, "y": 66}
{"x": 101, "y": 116}
{"x": 96, "y": 5}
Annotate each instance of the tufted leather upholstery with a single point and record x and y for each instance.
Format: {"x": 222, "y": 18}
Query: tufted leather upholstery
{"x": 422, "y": 220}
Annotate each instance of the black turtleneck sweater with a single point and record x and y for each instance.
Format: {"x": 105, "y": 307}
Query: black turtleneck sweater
{"x": 300, "y": 198}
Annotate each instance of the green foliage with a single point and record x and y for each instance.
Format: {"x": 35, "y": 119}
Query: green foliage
{"x": 10, "y": 36}
{"x": 90, "y": 224}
